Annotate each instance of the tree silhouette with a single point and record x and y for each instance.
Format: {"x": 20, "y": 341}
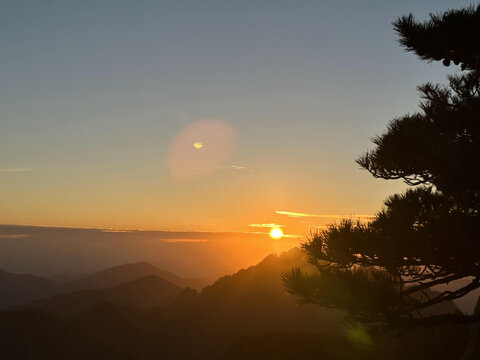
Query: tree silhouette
{"x": 382, "y": 273}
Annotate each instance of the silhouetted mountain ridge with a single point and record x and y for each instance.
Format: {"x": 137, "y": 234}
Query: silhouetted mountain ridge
{"x": 143, "y": 294}
{"x": 124, "y": 273}
{"x": 17, "y": 288}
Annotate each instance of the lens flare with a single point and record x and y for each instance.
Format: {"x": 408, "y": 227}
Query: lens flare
{"x": 201, "y": 148}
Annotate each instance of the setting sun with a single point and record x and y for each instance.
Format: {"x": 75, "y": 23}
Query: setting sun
{"x": 276, "y": 233}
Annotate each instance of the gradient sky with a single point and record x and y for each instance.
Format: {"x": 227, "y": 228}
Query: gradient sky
{"x": 92, "y": 93}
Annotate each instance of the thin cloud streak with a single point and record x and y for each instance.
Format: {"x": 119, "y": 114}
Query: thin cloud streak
{"x": 242, "y": 168}
{"x": 325, "y": 216}
{"x": 212, "y": 168}
{"x": 14, "y": 236}
{"x": 183, "y": 240}
{"x": 265, "y": 225}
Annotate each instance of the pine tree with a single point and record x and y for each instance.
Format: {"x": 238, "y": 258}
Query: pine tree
{"x": 382, "y": 273}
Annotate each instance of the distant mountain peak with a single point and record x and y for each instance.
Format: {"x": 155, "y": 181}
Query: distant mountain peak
{"x": 124, "y": 273}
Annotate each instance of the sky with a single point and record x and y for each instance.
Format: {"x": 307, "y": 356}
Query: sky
{"x": 200, "y": 115}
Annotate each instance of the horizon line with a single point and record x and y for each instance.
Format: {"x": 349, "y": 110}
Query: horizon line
{"x": 125, "y": 230}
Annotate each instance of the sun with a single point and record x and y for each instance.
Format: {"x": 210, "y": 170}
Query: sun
{"x": 197, "y": 145}
{"x": 276, "y": 233}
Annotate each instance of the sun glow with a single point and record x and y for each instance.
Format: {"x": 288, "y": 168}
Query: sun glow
{"x": 276, "y": 233}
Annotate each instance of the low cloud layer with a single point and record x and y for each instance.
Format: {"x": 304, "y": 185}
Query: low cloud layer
{"x": 324, "y": 216}
{"x": 43, "y": 250}
{"x": 14, "y": 236}
{"x": 271, "y": 225}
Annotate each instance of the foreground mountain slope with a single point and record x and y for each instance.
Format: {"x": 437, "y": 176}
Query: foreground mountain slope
{"x": 143, "y": 294}
{"x": 254, "y": 300}
{"x": 252, "y": 304}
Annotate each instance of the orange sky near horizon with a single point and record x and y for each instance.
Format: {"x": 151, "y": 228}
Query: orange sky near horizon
{"x": 206, "y": 195}
{"x": 196, "y": 188}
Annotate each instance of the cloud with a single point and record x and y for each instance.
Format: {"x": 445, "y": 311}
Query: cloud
{"x": 15, "y": 169}
{"x": 241, "y": 168}
{"x": 14, "y": 236}
{"x": 184, "y": 240}
{"x": 325, "y": 216}
{"x": 213, "y": 168}
{"x": 117, "y": 231}
{"x": 265, "y": 225}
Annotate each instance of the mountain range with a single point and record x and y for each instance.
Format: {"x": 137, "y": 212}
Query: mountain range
{"x": 246, "y": 315}
{"x": 17, "y": 289}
